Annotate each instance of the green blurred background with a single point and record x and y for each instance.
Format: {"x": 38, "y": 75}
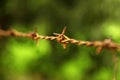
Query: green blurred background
{"x": 21, "y": 59}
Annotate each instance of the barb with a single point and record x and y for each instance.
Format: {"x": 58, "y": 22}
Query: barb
{"x": 63, "y": 39}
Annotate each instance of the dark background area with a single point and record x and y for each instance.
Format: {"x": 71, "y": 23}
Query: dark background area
{"x": 21, "y": 59}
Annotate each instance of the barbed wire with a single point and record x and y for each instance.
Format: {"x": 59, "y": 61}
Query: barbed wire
{"x": 63, "y": 39}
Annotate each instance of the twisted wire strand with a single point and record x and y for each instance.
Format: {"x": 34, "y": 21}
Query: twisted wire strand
{"x": 63, "y": 39}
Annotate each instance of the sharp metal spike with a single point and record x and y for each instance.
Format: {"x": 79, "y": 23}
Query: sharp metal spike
{"x": 37, "y": 42}
{"x": 64, "y": 29}
{"x": 64, "y": 45}
{"x": 99, "y": 49}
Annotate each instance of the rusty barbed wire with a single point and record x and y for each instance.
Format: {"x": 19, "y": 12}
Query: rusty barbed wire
{"x": 63, "y": 39}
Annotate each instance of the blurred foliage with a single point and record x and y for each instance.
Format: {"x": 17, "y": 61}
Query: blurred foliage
{"x": 21, "y": 59}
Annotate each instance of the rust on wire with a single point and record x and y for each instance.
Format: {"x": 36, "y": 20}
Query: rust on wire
{"x": 63, "y": 39}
